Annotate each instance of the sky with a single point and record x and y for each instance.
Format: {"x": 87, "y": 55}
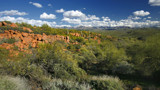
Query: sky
{"x": 88, "y": 13}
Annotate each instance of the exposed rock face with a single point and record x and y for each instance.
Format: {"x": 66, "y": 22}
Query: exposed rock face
{"x": 0, "y": 24}
{"x": 27, "y": 29}
{"x": 137, "y": 88}
{"x": 26, "y": 40}
{"x": 13, "y": 25}
{"x": 4, "y": 24}
{"x": 75, "y": 34}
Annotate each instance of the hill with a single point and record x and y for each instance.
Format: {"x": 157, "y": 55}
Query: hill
{"x": 45, "y": 58}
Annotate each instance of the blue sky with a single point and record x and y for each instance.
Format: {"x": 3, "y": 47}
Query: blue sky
{"x": 59, "y": 13}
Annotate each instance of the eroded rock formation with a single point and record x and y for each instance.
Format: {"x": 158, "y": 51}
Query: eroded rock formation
{"x": 26, "y": 40}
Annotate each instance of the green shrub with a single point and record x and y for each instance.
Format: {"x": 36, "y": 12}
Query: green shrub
{"x": 106, "y": 83}
{"x": 58, "y": 84}
{"x": 59, "y": 63}
{"x": 10, "y": 41}
{"x": 80, "y": 39}
{"x": 13, "y": 83}
{"x": 123, "y": 68}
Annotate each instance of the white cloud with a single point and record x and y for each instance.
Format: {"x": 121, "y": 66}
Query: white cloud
{"x": 61, "y": 26}
{"x": 106, "y": 18}
{"x": 71, "y": 21}
{"x": 47, "y": 16}
{"x": 38, "y": 5}
{"x": 60, "y": 11}
{"x": 80, "y": 19}
{"x": 74, "y": 14}
{"x": 50, "y": 5}
{"x": 134, "y": 18}
{"x": 149, "y": 17}
{"x": 13, "y": 12}
{"x": 141, "y": 13}
{"x": 26, "y": 20}
{"x": 92, "y": 17}
{"x": 154, "y": 2}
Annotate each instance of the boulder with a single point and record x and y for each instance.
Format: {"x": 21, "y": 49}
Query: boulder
{"x": 27, "y": 29}
{"x": 0, "y": 24}
{"x": 24, "y": 40}
{"x": 13, "y": 25}
{"x": 75, "y": 34}
{"x": 67, "y": 39}
{"x": 4, "y": 24}
{"x": 24, "y": 34}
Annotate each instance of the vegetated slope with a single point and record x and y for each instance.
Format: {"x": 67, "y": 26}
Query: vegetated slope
{"x": 63, "y": 59}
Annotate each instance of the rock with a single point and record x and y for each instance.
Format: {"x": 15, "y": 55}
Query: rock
{"x": 24, "y": 40}
{"x": 6, "y": 46}
{"x": 4, "y": 24}
{"x": 24, "y": 34}
{"x": 75, "y": 34}
{"x": 34, "y": 45}
{"x": 67, "y": 39}
{"x": 11, "y": 31}
{"x": 99, "y": 41}
{"x": 13, "y": 25}
{"x": 137, "y": 87}
{"x": 0, "y": 24}
{"x": 95, "y": 38}
{"x": 27, "y": 29}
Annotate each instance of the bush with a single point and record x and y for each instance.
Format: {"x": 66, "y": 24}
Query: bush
{"x": 106, "y": 83}
{"x": 80, "y": 39}
{"x": 13, "y": 83}
{"x": 10, "y": 41}
{"x": 58, "y": 62}
{"x": 58, "y": 84}
{"x": 123, "y": 68}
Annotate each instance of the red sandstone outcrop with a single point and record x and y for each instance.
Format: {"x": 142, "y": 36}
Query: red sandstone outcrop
{"x": 13, "y": 25}
{"x": 4, "y": 24}
{"x": 27, "y": 29}
{"x": 26, "y": 40}
{"x": 75, "y": 34}
{"x": 0, "y": 24}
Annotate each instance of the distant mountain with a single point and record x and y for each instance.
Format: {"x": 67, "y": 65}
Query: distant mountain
{"x": 101, "y": 28}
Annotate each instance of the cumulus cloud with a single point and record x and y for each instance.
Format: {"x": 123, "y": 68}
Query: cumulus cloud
{"x": 72, "y": 21}
{"x": 154, "y": 2}
{"x": 61, "y": 26}
{"x": 134, "y": 18}
{"x": 29, "y": 21}
{"x": 38, "y": 5}
{"x": 74, "y": 14}
{"x": 47, "y": 16}
{"x": 92, "y": 17}
{"x": 125, "y": 22}
{"x": 60, "y": 11}
{"x": 13, "y": 12}
{"x": 141, "y": 13}
{"x": 80, "y": 19}
{"x": 106, "y": 18}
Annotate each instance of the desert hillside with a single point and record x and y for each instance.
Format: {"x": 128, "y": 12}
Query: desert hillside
{"x": 46, "y": 58}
